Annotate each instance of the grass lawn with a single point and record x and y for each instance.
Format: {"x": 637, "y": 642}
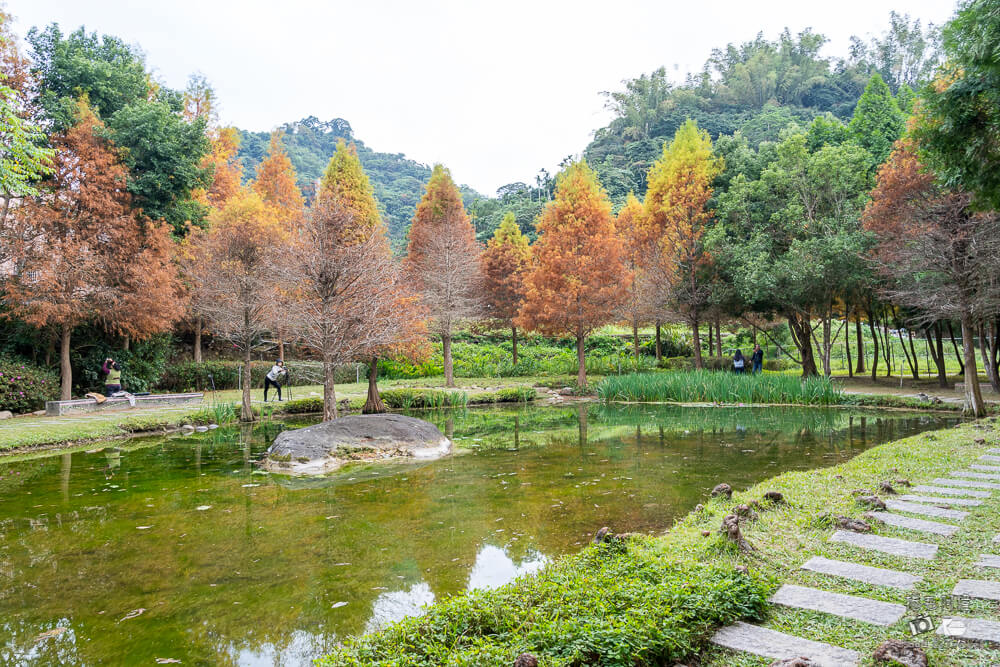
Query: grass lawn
{"x": 485, "y": 628}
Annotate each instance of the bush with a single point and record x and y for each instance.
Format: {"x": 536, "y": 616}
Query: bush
{"x": 142, "y": 364}
{"x": 687, "y": 363}
{"x": 301, "y": 406}
{"x": 707, "y": 386}
{"x": 779, "y": 364}
{"x": 619, "y": 604}
{"x": 25, "y": 387}
{"x": 191, "y": 376}
{"x": 405, "y": 398}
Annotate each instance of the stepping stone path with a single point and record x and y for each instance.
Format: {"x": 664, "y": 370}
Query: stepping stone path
{"x": 865, "y": 573}
{"x": 772, "y": 644}
{"x": 988, "y": 560}
{"x": 949, "y": 491}
{"x": 940, "y": 501}
{"x": 978, "y": 588}
{"x": 886, "y": 545}
{"x": 777, "y": 645}
{"x": 875, "y": 612}
{"x": 976, "y": 475}
{"x": 926, "y": 510}
{"x": 909, "y": 523}
{"x": 966, "y": 483}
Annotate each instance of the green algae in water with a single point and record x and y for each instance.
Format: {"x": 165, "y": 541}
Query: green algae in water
{"x": 231, "y": 566}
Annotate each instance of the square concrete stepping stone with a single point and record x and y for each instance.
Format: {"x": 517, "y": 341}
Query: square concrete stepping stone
{"x": 988, "y": 560}
{"x": 978, "y": 588}
{"x": 876, "y": 576}
{"x": 970, "y": 629}
{"x": 909, "y": 523}
{"x": 855, "y": 607}
{"x": 966, "y": 483}
{"x": 965, "y": 502}
{"x": 887, "y": 545}
{"x": 976, "y": 466}
{"x": 951, "y": 491}
{"x": 777, "y": 645}
{"x": 990, "y": 458}
{"x": 993, "y": 450}
{"x": 996, "y": 539}
{"x": 926, "y": 510}
{"x": 975, "y": 475}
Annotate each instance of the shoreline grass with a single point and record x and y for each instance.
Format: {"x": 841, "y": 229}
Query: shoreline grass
{"x": 702, "y": 386}
{"x": 491, "y": 627}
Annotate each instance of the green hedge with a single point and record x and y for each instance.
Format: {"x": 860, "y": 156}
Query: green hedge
{"x": 711, "y": 387}
{"x": 25, "y": 387}
{"x": 618, "y": 604}
{"x": 191, "y": 376}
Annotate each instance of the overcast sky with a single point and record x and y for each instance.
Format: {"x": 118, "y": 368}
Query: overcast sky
{"x": 494, "y": 90}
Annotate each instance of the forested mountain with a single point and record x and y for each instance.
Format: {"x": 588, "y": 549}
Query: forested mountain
{"x": 398, "y": 181}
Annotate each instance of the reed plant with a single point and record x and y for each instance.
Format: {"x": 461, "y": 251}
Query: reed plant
{"x": 719, "y": 387}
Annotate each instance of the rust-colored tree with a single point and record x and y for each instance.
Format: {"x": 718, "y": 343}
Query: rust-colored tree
{"x": 578, "y": 279}
{"x": 93, "y": 258}
{"x": 349, "y": 298}
{"x": 680, "y": 185}
{"x": 235, "y": 275}
{"x": 505, "y": 261}
{"x": 941, "y": 256}
{"x": 443, "y": 261}
{"x": 276, "y": 181}
{"x": 640, "y": 251}
{"x": 226, "y": 171}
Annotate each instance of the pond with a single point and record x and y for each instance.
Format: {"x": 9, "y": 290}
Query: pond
{"x": 179, "y": 548}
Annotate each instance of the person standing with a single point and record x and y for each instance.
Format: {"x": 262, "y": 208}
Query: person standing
{"x": 112, "y": 376}
{"x": 274, "y": 378}
{"x": 757, "y": 358}
{"x": 739, "y": 362}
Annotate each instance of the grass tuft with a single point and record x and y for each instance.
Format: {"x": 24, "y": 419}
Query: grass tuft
{"x": 719, "y": 387}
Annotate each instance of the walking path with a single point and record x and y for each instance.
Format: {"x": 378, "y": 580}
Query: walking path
{"x": 957, "y": 489}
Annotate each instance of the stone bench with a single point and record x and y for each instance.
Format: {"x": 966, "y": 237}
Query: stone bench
{"x": 82, "y": 405}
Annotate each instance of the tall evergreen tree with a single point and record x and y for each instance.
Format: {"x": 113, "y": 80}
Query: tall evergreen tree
{"x": 877, "y": 122}
{"x": 276, "y": 181}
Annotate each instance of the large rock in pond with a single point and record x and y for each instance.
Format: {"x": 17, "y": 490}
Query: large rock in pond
{"x": 323, "y": 448}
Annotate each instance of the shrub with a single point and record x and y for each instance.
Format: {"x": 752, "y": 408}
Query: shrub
{"x": 687, "y": 363}
{"x": 405, "y": 398}
{"x": 779, "y": 364}
{"x": 191, "y": 376}
{"x": 301, "y": 406}
{"x": 142, "y": 364}
{"x": 25, "y": 387}
{"x": 707, "y": 386}
{"x": 617, "y": 604}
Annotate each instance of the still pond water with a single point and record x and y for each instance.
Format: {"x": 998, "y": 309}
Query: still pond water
{"x": 231, "y": 566}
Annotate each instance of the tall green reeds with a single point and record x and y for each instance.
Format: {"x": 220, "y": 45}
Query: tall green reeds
{"x": 719, "y": 387}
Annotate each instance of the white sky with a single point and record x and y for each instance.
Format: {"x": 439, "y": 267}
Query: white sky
{"x": 495, "y": 91}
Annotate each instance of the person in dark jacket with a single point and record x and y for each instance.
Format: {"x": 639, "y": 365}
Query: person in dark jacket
{"x": 757, "y": 358}
{"x": 739, "y": 362}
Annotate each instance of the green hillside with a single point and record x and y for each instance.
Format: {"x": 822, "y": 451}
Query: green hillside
{"x": 397, "y": 180}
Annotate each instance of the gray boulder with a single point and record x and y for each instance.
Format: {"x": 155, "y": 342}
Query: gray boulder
{"x": 323, "y": 448}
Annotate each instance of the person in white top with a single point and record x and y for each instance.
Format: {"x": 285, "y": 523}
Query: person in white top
{"x": 274, "y": 378}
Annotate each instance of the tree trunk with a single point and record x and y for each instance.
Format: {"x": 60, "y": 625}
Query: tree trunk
{"x": 329, "y": 390}
{"x": 886, "y": 347}
{"x": 126, "y": 343}
{"x": 65, "y": 369}
{"x": 197, "y": 340}
{"x": 986, "y": 353}
{"x": 373, "y": 404}
{"x": 635, "y": 340}
{"x": 847, "y": 343}
{"x": 874, "y": 330}
{"x": 861, "y": 343}
{"x": 935, "y": 346}
{"x": 827, "y": 344}
{"x": 449, "y": 374}
{"x": 281, "y": 348}
{"x": 995, "y": 352}
{"x": 581, "y": 360}
{"x": 513, "y": 341}
{"x": 659, "y": 345}
{"x": 696, "y": 341}
{"x": 718, "y": 337}
{"x": 906, "y": 354}
{"x": 913, "y": 352}
{"x": 974, "y": 406}
{"x": 801, "y": 330}
{"x": 954, "y": 345}
{"x": 246, "y": 410}
{"x": 711, "y": 339}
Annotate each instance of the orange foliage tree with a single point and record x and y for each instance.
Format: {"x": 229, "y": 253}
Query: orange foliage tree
{"x": 680, "y": 186}
{"x": 578, "y": 279}
{"x": 276, "y": 181}
{"x": 235, "y": 270}
{"x": 634, "y": 231}
{"x": 94, "y": 257}
{"x": 505, "y": 261}
{"x": 941, "y": 256}
{"x": 443, "y": 260}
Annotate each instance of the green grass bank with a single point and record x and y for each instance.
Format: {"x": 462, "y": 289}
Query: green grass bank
{"x": 651, "y": 601}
